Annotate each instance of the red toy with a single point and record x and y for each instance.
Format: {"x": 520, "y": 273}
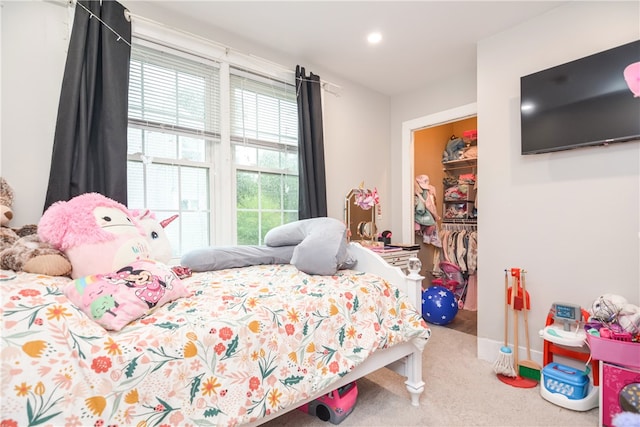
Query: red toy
{"x": 334, "y": 406}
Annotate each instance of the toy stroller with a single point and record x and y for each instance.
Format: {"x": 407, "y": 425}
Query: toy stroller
{"x": 453, "y": 279}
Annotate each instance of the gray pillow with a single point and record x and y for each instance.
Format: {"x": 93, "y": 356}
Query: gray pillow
{"x": 223, "y": 257}
{"x": 321, "y": 244}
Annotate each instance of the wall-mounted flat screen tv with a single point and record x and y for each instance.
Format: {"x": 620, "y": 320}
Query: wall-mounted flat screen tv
{"x": 590, "y": 101}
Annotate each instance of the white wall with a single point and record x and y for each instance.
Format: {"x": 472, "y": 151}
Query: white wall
{"x": 34, "y": 44}
{"x": 571, "y": 219}
{"x": 458, "y": 90}
{"x": 356, "y": 148}
{"x": 34, "y": 49}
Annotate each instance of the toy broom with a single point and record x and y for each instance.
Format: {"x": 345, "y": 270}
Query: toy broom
{"x": 527, "y": 367}
{"x": 504, "y": 364}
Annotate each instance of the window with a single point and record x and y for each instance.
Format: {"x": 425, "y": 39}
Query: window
{"x": 264, "y": 135}
{"x": 231, "y": 174}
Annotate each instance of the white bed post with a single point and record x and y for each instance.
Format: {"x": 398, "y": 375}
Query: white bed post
{"x": 414, "y": 382}
{"x": 414, "y": 290}
{"x": 410, "y": 364}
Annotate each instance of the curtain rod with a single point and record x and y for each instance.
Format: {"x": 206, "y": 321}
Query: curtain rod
{"x": 226, "y": 48}
{"x": 130, "y": 16}
{"x": 93, "y": 16}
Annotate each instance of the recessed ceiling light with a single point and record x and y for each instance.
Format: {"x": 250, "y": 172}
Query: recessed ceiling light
{"x": 374, "y": 38}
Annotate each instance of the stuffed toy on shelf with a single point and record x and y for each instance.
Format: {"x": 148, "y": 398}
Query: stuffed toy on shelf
{"x": 21, "y": 249}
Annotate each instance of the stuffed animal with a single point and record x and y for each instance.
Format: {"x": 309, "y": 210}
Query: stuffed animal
{"x": 21, "y": 249}
{"x": 629, "y": 318}
{"x": 159, "y": 246}
{"x": 98, "y": 234}
{"x": 606, "y": 307}
{"x": 612, "y": 308}
{"x": 6, "y": 202}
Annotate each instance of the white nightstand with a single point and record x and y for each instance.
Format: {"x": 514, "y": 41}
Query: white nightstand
{"x": 399, "y": 258}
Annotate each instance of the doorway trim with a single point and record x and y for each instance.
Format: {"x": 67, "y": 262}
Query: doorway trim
{"x": 408, "y": 127}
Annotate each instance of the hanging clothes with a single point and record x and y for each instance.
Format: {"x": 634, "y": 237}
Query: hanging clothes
{"x": 459, "y": 246}
{"x": 426, "y": 212}
{"x": 422, "y": 215}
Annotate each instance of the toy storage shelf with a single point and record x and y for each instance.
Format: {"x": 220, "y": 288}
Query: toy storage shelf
{"x": 619, "y": 383}
{"x": 619, "y": 375}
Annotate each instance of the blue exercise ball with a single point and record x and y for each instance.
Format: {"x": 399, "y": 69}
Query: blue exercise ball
{"x": 439, "y": 305}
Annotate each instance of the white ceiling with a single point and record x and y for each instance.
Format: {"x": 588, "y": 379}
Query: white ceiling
{"x": 423, "y": 41}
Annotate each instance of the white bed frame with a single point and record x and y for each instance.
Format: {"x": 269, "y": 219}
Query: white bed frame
{"x": 405, "y": 358}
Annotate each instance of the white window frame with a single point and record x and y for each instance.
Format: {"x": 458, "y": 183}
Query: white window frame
{"x": 222, "y": 167}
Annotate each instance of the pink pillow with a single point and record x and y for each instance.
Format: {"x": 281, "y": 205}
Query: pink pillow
{"x": 115, "y": 299}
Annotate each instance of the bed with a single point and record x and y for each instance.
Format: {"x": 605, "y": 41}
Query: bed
{"x": 246, "y": 346}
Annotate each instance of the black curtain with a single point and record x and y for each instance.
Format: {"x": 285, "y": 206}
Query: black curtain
{"x": 90, "y": 141}
{"x": 312, "y": 194}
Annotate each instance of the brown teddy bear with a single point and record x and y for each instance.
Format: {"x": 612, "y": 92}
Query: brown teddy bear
{"x": 21, "y": 249}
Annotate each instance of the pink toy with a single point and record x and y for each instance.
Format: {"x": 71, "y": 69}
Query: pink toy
{"x": 97, "y": 295}
{"x": 115, "y": 299}
{"x": 148, "y": 287}
{"x": 159, "y": 246}
{"x": 334, "y": 406}
{"x": 96, "y": 233}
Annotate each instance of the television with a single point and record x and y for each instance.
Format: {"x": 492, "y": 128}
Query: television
{"x": 590, "y": 101}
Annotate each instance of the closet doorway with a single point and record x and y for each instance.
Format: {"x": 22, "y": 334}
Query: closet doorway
{"x": 424, "y": 140}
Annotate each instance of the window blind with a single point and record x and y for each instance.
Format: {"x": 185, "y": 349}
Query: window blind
{"x": 179, "y": 141}
{"x": 171, "y": 93}
{"x": 174, "y": 118}
{"x": 263, "y": 110}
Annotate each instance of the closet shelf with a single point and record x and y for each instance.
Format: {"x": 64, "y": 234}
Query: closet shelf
{"x": 459, "y": 199}
{"x": 462, "y": 163}
{"x": 471, "y": 221}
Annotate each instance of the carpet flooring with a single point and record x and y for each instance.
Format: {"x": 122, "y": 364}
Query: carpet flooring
{"x": 465, "y": 321}
{"x": 460, "y": 390}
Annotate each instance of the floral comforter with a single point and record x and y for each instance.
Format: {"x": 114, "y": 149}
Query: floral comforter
{"x": 247, "y": 343}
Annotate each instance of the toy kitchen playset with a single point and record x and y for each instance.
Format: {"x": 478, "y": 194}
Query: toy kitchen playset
{"x": 606, "y": 346}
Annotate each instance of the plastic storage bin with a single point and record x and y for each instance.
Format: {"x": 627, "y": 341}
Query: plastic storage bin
{"x": 565, "y": 380}
{"x": 613, "y": 351}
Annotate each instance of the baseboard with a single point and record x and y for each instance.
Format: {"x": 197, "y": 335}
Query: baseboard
{"x": 490, "y": 349}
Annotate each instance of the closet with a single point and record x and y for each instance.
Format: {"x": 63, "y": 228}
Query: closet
{"x": 455, "y": 183}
